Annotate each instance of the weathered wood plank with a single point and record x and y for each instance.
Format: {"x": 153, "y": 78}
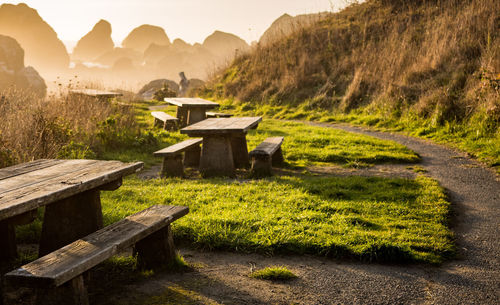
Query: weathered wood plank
{"x": 268, "y": 146}
{"x": 211, "y": 114}
{"x": 23, "y": 168}
{"x": 95, "y": 93}
{"x": 188, "y": 102}
{"x": 35, "y": 189}
{"x": 163, "y": 116}
{"x": 68, "y": 262}
{"x": 221, "y": 126}
{"x": 178, "y": 147}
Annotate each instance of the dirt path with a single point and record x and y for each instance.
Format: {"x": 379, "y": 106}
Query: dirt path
{"x": 472, "y": 278}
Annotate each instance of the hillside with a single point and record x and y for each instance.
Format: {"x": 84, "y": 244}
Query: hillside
{"x": 432, "y": 63}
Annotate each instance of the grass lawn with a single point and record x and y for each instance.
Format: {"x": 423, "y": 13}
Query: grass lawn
{"x": 373, "y": 219}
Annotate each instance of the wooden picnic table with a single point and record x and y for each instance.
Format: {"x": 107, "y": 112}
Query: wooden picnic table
{"x": 224, "y": 144}
{"x": 94, "y": 93}
{"x": 68, "y": 189}
{"x": 191, "y": 110}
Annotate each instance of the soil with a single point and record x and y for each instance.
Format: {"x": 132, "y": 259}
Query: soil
{"x": 471, "y": 278}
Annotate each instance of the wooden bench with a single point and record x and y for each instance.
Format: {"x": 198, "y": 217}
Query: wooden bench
{"x": 266, "y": 155}
{"x": 58, "y": 276}
{"x": 211, "y": 114}
{"x": 165, "y": 121}
{"x": 173, "y": 165}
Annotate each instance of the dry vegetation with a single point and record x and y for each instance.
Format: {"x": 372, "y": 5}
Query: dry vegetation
{"x": 62, "y": 126}
{"x": 438, "y": 59}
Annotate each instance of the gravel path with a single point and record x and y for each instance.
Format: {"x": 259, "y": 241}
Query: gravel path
{"x": 472, "y": 278}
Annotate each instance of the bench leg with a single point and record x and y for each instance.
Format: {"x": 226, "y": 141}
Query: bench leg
{"x": 73, "y": 292}
{"x": 261, "y": 166}
{"x": 240, "y": 151}
{"x": 182, "y": 115}
{"x": 192, "y": 157}
{"x": 217, "y": 157}
{"x": 172, "y": 167}
{"x": 156, "y": 250}
{"x": 277, "y": 158}
{"x": 70, "y": 219}
{"x": 170, "y": 125}
{"x": 158, "y": 123}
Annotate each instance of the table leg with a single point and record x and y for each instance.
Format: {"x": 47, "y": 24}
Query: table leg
{"x": 182, "y": 115}
{"x": 217, "y": 157}
{"x": 240, "y": 150}
{"x": 7, "y": 241}
{"x": 70, "y": 219}
{"x": 196, "y": 115}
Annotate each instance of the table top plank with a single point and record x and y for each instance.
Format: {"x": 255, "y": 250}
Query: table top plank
{"x": 31, "y": 190}
{"x": 191, "y": 102}
{"x": 222, "y": 126}
{"x": 23, "y": 168}
{"x": 95, "y": 93}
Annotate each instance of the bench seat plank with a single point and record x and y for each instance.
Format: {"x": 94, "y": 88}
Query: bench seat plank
{"x": 160, "y": 115}
{"x": 72, "y": 260}
{"x": 178, "y": 147}
{"x": 211, "y": 114}
{"x": 268, "y": 147}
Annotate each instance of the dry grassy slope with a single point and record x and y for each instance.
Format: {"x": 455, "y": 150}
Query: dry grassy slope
{"x": 440, "y": 56}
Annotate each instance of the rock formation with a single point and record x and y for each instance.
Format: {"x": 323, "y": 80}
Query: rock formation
{"x": 286, "y": 25}
{"x": 110, "y": 58}
{"x": 142, "y": 37}
{"x": 13, "y": 73}
{"x": 148, "y": 90}
{"x": 224, "y": 45}
{"x": 43, "y": 49}
{"x": 96, "y": 43}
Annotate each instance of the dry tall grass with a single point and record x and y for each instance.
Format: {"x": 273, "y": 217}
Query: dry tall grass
{"x": 60, "y": 126}
{"x": 433, "y": 57}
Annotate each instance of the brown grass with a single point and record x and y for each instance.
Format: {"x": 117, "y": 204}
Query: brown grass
{"x": 60, "y": 126}
{"x": 426, "y": 56}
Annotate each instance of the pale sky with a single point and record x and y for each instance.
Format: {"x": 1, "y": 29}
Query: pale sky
{"x": 191, "y": 20}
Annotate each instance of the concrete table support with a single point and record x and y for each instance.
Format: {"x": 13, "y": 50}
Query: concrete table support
{"x": 182, "y": 115}
{"x": 224, "y": 144}
{"x": 217, "y": 157}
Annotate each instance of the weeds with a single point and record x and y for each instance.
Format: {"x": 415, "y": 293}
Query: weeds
{"x": 274, "y": 273}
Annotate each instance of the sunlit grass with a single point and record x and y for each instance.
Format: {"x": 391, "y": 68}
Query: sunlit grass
{"x": 374, "y": 219}
{"x": 274, "y": 273}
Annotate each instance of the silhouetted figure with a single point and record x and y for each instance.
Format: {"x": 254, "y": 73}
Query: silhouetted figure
{"x": 183, "y": 84}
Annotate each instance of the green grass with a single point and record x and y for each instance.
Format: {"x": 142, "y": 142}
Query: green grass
{"x": 478, "y": 136}
{"x": 372, "y": 219}
{"x": 310, "y": 145}
{"x": 274, "y": 273}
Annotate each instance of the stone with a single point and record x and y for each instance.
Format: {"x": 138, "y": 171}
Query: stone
{"x": 13, "y": 74}
{"x": 43, "y": 49}
{"x": 95, "y": 43}
{"x": 224, "y": 45}
{"x": 143, "y": 36}
{"x": 149, "y": 89}
{"x": 286, "y": 25}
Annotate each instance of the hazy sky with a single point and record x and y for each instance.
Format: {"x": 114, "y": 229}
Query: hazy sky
{"x": 191, "y": 20}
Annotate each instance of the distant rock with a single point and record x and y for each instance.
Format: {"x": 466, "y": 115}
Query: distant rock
{"x": 181, "y": 45}
{"x": 142, "y": 37}
{"x": 110, "y": 58}
{"x": 42, "y": 47}
{"x": 13, "y": 74}
{"x": 286, "y": 25}
{"x": 149, "y": 90}
{"x": 224, "y": 45}
{"x": 96, "y": 43}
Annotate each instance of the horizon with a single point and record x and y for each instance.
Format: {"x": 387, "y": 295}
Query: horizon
{"x": 72, "y": 20}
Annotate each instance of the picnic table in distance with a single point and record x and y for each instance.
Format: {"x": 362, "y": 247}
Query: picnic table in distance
{"x": 191, "y": 110}
{"x": 94, "y": 93}
{"x": 70, "y": 192}
{"x": 224, "y": 144}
